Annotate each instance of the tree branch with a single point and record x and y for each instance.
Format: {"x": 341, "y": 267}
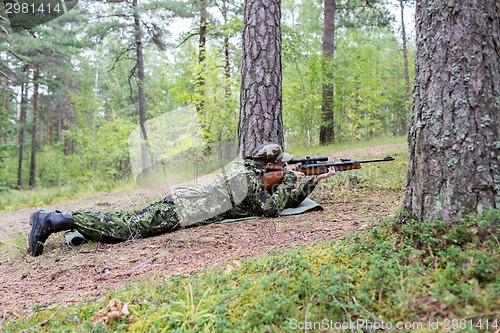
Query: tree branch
{"x": 113, "y": 15}
{"x": 369, "y": 4}
{"x": 186, "y": 39}
{"x": 119, "y": 57}
{"x": 132, "y": 73}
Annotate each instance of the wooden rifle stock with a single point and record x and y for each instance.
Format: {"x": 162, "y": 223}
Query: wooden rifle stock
{"x": 272, "y": 178}
{"x": 309, "y": 166}
{"x": 319, "y": 169}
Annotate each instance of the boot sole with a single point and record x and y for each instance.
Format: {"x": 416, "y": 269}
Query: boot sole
{"x": 36, "y": 248}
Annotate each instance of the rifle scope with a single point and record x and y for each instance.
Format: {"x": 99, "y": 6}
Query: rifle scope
{"x": 308, "y": 160}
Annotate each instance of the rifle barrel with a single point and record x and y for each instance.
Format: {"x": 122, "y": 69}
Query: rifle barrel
{"x": 344, "y": 162}
{"x": 385, "y": 159}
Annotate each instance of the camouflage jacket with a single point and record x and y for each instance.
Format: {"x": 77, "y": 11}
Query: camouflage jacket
{"x": 239, "y": 193}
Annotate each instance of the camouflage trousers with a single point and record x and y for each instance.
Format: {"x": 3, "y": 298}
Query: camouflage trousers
{"x": 157, "y": 218}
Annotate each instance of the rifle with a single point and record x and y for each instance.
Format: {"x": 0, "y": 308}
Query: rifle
{"x": 314, "y": 166}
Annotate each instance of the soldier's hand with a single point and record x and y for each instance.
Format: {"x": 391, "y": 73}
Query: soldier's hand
{"x": 331, "y": 172}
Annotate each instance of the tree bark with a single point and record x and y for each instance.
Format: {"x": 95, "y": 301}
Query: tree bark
{"x": 146, "y": 162}
{"x": 454, "y": 140}
{"x": 260, "y": 95}
{"x": 327, "y": 128}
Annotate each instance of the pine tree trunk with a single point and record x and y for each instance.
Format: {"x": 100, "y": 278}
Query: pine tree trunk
{"x": 454, "y": 141}
{"x": 327, "y": 128}
{"x": 69, "y": 144}
{"x": 260, "y": 96}
{"x": 59, "y": 123}
{"x": 227, "y": 63}
{"x": 22, "y": 130}
{"x": 146, "y": 162}
{"x": 404, "y": 119}
{"x": 200, "y": 80}
{"x": 36, "y": 74}
{"x": 6, "y": 97}
{"x": 227, "y": 66}
{"x": 48, "y": 137}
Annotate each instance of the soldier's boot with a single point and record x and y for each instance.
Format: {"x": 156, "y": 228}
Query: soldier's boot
{"x": 43, "y": 223}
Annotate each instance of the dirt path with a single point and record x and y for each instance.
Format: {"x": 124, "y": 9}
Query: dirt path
{"x": 64, "y": 274}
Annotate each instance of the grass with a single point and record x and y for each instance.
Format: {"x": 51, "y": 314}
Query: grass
{"x": 12, "y": 247}
{"x": 318, "y": 150}
{"x": 17, "y": 199}
{"x": 399, "y": 272}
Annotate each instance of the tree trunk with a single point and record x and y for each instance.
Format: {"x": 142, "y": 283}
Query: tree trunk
{"x": 454, "y": 140}
{"x": 407, "y": 114}
{"x": 146, "y": 162}
{"x": 22, "y": 129}
{"x": 6, "y": 96}
{"x": 48, "y": 137}
{"x": 59, "y": 123}
{"x": 200, "y": 80}
{"x": 36, "y": 74}
{"x": 69, "y": 144}
{"x": 227, "y": 62}
{"x": 327, "y": 128}
{"x": 203, "y": 31}
{"x": 260, "y": 96}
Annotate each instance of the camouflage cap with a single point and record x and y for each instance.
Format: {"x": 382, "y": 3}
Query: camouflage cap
{"x": 271, "y": 152}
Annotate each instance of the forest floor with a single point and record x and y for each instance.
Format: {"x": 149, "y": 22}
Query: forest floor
{"x": 66, "y": 274}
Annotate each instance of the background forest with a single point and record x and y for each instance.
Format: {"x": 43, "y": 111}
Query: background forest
{"x": 73, "y": 90}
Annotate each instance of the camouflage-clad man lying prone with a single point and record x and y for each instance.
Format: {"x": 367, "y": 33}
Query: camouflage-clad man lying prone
{"x": 240, "y": 192}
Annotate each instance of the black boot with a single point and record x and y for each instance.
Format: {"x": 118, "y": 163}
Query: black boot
{"x": 43, "y": 223}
